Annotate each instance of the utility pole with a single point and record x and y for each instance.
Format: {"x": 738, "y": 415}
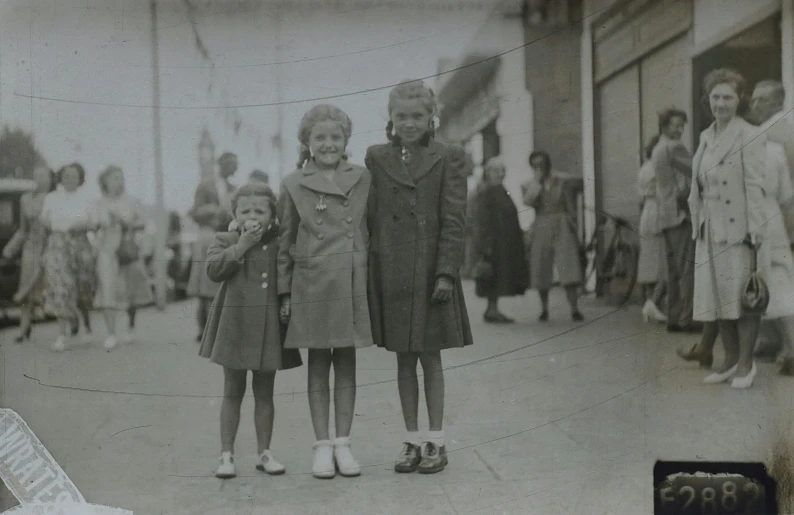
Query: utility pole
{"x": 159, "y": 261}
{"x": 279, "y": 139}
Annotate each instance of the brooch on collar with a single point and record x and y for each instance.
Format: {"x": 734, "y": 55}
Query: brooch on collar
{"x": 321, "y": 204}
{"x": 405, "y": 154}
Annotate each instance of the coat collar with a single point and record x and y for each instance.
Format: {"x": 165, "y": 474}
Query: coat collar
{"x": 722, "y": 146}
{"x": 347, "y": 177}
{"x": 426, "y": 156}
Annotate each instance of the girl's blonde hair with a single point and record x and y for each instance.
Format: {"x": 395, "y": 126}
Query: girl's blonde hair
{"x": 315, "y": 115}
{"x": 410, "y": 90}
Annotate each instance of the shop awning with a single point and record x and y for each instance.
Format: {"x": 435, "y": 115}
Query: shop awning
{"x": 472, "y": 73}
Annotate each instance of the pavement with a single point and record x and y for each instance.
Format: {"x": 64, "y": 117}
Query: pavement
{"x": 552, "y": 418}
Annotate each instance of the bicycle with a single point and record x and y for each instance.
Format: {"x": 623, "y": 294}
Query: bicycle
{"x": 615, "y": 265}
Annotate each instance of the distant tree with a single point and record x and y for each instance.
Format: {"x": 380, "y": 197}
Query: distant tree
{"x": 18, "y": 154}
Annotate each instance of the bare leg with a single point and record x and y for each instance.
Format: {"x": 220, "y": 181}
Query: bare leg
{"x": 408, "y": 387}
{"x": 493, "y": 306}
{"x": 786, "y": 325}
{"x": 233, "y": 393}
{"x": 25, "y": 321}
{"x": 319, "y": 394}
{"x": 709, "y": 338}
{"x": 110, "y": 320}
{"x": 729, "y": 329}
{"x": 86, "y": 315}
{"x": 264, "y": 411}
{"x": 748, "y": 334}
{"x": 544, "y": 303}
{"x": 434, "y": 388}
{"x": 572, "y": 292}
{"x": 344, "y": 390}
{"x": 131, "y": 312}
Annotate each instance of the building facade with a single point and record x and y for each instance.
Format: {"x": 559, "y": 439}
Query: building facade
{"x": 641, "y": 56}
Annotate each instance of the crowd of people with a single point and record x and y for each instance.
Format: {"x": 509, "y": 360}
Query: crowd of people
{"x": 79, "y": 254}
{"x": 717, "y": 229}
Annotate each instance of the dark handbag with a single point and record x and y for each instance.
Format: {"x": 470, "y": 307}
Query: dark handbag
{"x": 128, "y": 251}
{"x": 755, "y": 293}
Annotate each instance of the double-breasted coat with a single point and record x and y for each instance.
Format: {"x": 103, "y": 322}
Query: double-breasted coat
{"x": 322, "y": 258}
{"x": 726, "y": 202}
{"x": 418, "y": 235}
{"x": 243, "y": 329}
{"x": 212, "y": 216}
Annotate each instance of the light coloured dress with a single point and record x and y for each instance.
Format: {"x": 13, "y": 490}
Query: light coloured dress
{"x": 69, "y": 258}
{"x": 650, "y": 269}
{"x": 775, "y": 256}
{"x": 120, "y": 286}
{"x": 726, "y": 203}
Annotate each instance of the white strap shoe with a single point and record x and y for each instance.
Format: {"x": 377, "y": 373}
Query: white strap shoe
{"x": 345, "y": 462}
{"x": 226, "y": 470}
{"x": 323, "y": 467}
{"x": 59, "y": 345}
{"x": 111, "y": 342}
{"x": 270, "y": 465}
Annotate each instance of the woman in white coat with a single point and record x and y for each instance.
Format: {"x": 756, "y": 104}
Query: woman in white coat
{"x": 775, "y": 256}
{"x": 727, "y": 204}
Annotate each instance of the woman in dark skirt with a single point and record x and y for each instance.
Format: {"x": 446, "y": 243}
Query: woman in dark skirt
{"x": 503, "y": 269}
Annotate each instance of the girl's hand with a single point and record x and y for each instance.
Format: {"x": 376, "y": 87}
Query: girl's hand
{"x": 286, "y": 309}
{"x": 251, "y": 237}
{"x": 443, "y": 290}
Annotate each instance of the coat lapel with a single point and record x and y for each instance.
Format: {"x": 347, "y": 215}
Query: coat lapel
{"x": 394, "y": 166}
{"x": 428, "y": 157}
{"x": 727, "y": 140}
{"x": 347, "y": 176}
{"x": 315, "y": 181}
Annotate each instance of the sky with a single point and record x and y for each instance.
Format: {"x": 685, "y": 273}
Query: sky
{"x": 77, "y": 74}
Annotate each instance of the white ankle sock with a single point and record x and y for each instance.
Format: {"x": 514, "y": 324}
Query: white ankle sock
{"x": 436, "y": 437}
{"x": 413, "y": 437}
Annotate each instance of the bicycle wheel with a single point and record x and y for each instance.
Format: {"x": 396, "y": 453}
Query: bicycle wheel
{"x": 624, "y": 269}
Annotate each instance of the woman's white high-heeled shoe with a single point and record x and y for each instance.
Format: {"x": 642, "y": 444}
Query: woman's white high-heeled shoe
{"x": 270, "y": 465}
{"x": 718, "y": 377}
{"x": 226, "y": 469}
{"x": 345, "y": 462}
{"x": 323, "y": 467}
{"x": 650, "y": 312}
{"x": 746, "y": 381}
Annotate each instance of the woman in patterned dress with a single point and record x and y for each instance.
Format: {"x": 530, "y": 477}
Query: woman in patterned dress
{"x": 29, "y": 241}
{"x": 122, "y": 287}
{"x": 70, "y": 276}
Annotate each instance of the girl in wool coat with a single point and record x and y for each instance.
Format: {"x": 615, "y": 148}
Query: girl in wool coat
{"x": 323, "y": 276}
{"x": 244, "y": 331}
{"x": 418, "y": 213}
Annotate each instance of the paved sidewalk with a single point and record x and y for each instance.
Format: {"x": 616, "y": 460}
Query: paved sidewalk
{"x": 553, "y": 418}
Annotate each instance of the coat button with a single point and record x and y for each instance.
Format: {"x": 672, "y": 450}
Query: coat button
{"x": 395, "y": 217}
{"x": 264, "y": 247}
{"x": 349, "y": 220}
{"x": 724, "y": 183}
{"x": 346, "y": 203}
{"x": 727, "y": 201}
{"x": 264, "y": 275}
{"x": 321, "y": 236}
{"x": 319, "y": 221}
{"x": 722, "y": 163}
{"x": 413, "y": 202}
{"x": 732, "y": 220}
{"x": 413, "y": 213}
{"x": 264, "y": 285}
{"x": 350, "y": 235}
{"x": 395, "y": 189}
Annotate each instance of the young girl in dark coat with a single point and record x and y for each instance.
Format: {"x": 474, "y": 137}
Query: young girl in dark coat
{"x": 244, "y": 331}
{"x": 417, "y": 219}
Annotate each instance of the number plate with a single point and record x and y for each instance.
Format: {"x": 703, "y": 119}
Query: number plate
{"x": 714, "y": 489}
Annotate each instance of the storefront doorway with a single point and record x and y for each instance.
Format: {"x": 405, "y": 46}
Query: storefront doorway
{"x": 755, "y": 53}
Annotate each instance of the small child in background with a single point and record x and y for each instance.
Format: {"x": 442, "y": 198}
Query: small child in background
{"x": 244, "y": 331}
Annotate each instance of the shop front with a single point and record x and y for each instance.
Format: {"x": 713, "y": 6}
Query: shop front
{"x": 647, "y": 55}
